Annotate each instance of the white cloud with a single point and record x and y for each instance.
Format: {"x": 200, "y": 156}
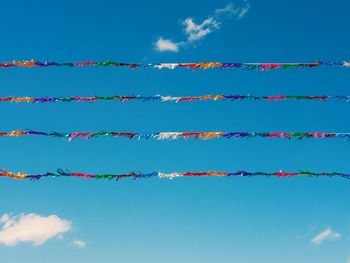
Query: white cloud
{"x": 31, "y": 228}
{"x": 327, "y": 234}
{"x": 197, "y": 31}
{"x": 4, "y": 218}
{"x": 166, "y": 45}
{"x": 79, "y": 243}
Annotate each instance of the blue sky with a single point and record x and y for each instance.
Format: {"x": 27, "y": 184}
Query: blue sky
{"x": 246, "y": 220}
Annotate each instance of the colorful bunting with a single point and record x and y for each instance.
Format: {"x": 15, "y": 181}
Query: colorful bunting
{"x": 175, "y": 135}
{"x": 180, "y": 135}
{"x": 192, "y": 65}
{"x": 173, "y": 99}
{"x": 136, "y": 175}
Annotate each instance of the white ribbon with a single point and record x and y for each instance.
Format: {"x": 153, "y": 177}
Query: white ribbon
{"x": 168, "y": 135}
{"x": 169, "y": 176}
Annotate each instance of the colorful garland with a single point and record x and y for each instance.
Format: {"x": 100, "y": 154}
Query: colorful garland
{"x": 194, "y": 66}
{"x": 172, "y": 99}
{"x": 180, "y": 135}
{"x": 62, "y": 173}
{"x": 174, "y": 135}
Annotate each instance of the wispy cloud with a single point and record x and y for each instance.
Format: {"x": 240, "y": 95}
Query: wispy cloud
{"x": 327, "y": 234}
{"x": 79, "y": 243}
{"x": 31, "y": 228}
{"x": 234, "y": 10}
{"x": 197, "y": 31}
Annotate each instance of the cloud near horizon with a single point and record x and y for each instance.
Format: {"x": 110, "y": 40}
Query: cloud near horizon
{"x": 31, "y": 228}
{"x": 195, "y": 32}
{"x": 327, "y": 234}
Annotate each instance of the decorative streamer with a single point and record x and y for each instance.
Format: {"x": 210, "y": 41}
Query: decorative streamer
{"x": 172, "y": 98}
{"x": 137, "y": 175}
{"x": 192, "y": 65}
{"x": 180, "y": 135}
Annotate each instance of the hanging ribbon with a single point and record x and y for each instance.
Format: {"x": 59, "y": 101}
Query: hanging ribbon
{"x": 137, "y": 175}
{"x": 179, "y": 135}
{"x": 321, "y": 98}
{"x": 192, "y": 65}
